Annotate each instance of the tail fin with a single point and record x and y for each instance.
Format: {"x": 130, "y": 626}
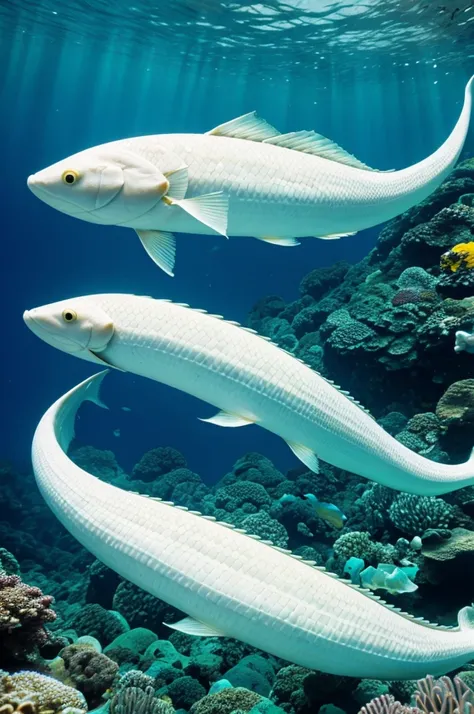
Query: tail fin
{"x": 65, "y": 416}
{"x": 466, "y": 617}
{"x": 428, "y": 174}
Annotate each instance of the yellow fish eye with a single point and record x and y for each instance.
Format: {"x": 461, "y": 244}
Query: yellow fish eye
{"x": 70, "y": 176}
{"x": 69, "y": 315}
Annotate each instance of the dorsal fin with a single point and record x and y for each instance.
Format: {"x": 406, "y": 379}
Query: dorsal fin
{"x": 249, "y": 126}
{"x": 309, "y": 142}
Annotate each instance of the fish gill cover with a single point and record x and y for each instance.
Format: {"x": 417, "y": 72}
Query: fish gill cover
{"x": 378, "y": 314}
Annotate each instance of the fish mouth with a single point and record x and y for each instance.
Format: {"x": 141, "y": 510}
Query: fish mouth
{"x": 40, "y": 329}
{"x": 40, "y": 190}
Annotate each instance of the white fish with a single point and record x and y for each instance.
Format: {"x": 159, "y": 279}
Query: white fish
{"x": 230, "y": 583}
{"x": 248, "y": 378}
{"x": 242, "y": 178}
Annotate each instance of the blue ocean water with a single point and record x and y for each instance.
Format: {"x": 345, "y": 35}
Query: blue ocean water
{"x": 384, "y": 80}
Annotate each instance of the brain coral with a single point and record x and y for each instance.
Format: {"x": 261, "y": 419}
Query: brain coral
{"x": 413, "y": 514}
{"x": 23, "y": 612}
{"x": 157, "y": 462}
{"x": 46, "y": 693}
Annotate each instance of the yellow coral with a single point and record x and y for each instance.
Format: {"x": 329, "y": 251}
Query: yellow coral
{"x": 461, "y": 254}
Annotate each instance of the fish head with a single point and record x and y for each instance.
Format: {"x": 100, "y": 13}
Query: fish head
{"x": 77, "y": 326}
{"x": 108, "y": 185}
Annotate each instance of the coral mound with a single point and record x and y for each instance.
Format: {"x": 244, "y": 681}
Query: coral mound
{"x": 23, "y": 612}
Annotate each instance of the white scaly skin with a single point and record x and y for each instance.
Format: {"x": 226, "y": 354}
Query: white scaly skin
{"x": 242, "y": 374}
{"x": 272, "y": 191}
{"x": 235, "y": 585}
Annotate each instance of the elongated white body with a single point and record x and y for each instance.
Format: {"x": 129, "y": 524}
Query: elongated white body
{"x": 251, "y": 380}
{"x": 230, "y": 583}
{"x": 242, "y": 178}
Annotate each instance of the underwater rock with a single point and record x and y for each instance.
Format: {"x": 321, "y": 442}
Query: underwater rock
{"x": 45, "y": 693}
{"x": 158, "y": 462}
{"x": 461, "y": 541}
{"x": 24, "y": 611}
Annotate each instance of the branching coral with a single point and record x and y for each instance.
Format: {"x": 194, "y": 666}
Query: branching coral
{"x": 133, "y": 700}
{"x": 23, "y": 612}
{"x": 444, "y": 696}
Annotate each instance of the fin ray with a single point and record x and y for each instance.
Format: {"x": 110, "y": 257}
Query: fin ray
{"x": 305, "y": 455}
{"x": 223, "y": 418}
{"x": 248, "y": 126}
{"x": 161, "y": 247}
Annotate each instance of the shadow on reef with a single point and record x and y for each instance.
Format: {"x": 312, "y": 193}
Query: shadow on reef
{"x": 384, "y": 329}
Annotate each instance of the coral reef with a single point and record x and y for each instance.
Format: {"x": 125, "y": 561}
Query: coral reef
{"x": 24, "y": 610}
{"x": 385, "y": 330}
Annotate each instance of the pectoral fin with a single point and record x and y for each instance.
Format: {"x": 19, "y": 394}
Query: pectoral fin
{"x": 275, "y": 240}
{"x": 211, "y": 209}
{"x": 96, "y": 357}
{"x": 336, "y": 236}
{"x": 305, "y": 455}
{"x": 226, "y": 419}
{"x": 178, "y": 180}
{"x": 192, "y": 627}
{"x": 161, "y": 247}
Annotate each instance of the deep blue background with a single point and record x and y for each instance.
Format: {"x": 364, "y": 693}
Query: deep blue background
{"x": 59, "y": 97}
